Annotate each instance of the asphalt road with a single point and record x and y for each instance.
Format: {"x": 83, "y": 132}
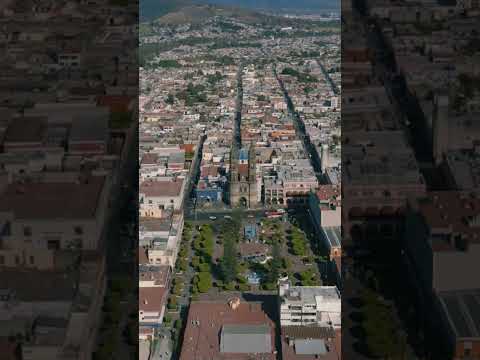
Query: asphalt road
{"x": 205, "y": 215}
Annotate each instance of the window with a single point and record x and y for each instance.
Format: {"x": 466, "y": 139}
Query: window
{"x": 32, "y": 260}
{"x": 2, "y": 260}
{"x": 17, "y": 260}
{"x": 467, "y": 348}
{"x": 53, "y": 244}
{"x": 78, "y": 230}
{"x": 27, "y": 231}
{"x": 78, "y": 243}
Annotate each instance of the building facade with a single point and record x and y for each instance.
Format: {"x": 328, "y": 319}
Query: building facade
{"x": 243, "y": 181}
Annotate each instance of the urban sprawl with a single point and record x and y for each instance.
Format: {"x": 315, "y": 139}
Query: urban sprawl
{"x": 240, "y": 184}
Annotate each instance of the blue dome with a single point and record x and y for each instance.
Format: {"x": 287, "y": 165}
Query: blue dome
{"x": 243, "y": 154}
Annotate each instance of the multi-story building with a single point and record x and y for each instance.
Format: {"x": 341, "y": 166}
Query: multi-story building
{"x": 325, "y": 212}
{"x": 310, "y": 319}
{"x": 27, "y": 236}
{"x": 243, "y": 180}
{"x": 310, "y": 305}
{"x": 228, "y": 329}
{"x": 443, "y": 248}
{"x": 161, "y": 237}
{"x": 161, "y": 193}
{"x": 153, "y": 291}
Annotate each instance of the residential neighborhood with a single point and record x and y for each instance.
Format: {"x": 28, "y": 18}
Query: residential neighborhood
{"x": 240, "y": 186}
{"x": 68, "y": 140}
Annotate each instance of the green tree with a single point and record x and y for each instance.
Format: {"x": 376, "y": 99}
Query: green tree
{"x": 181, "y": 265}
{"x": 172, "y": 303}
{"x": 204, "y": 281}
{"x": 205, "y": 267}
{"x": 307, "y": 278}
{"x": 170, "y": 99}
{"x": 275, "y": 264}
{"x": 178, "y": 325}
{"x": 229, "y": 262}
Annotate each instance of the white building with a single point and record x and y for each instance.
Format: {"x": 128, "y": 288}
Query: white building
{"x": 310, "y": 305}
{"x": 162, "y": 194}
{"x": 162, "y": 237}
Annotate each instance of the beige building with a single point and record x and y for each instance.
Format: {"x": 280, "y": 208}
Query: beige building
{"x": 27, "y": 221}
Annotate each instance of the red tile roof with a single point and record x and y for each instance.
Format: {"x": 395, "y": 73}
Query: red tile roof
{"x": 202, "y": 342}
{"x": 149, "y": 159}
{"x": 247, "y": 249}
{"x": 452, "y": 210}
{"x": 189, "y": 148}
{"x": 151, "y": 299}
{"x": 161, "y": 188}
{"x": 53, "y": 200}
{"x": 116, "y": 103}
{"x": 209, "y": 171}
{"x": 328, "y": 192}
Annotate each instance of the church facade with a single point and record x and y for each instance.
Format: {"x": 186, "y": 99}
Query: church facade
{"x": 243, "y": 183}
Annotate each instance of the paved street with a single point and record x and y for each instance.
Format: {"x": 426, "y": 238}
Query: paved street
{"x": 300, "y": 129}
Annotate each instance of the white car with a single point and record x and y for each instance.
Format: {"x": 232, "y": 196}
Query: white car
{"x": 212, "y": 217}
{"x": 227, "y": 217}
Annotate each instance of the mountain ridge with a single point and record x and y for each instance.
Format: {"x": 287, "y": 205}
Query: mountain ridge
{"x": 200, "y": 13}
{"x": 282, "y": 4}
{"x": 154, "y": 9}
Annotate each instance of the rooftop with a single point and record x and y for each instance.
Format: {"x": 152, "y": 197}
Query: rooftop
{"x": 161, "y": 188}
{"x": 55, "y": 200}
{"x": 454, "y": 211}
{"x": 310, "y": 294}
{"x": 26, "y": 129}
{"x": 207, "y": 319}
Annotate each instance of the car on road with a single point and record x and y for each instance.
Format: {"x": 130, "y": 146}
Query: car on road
{"x": 227, "y": 217}
{"x": 212, "y": 217}
{"x": 273, "y": 215}
{"x": 250, "y": 216}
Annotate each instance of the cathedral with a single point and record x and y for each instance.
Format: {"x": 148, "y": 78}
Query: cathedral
{"x": 243, "y": 183}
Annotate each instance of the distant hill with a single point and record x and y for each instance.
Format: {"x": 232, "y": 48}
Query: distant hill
{"x": 201, "y": 13}
{"x": 282, "y": 4}
{"x": 154, "y": 9}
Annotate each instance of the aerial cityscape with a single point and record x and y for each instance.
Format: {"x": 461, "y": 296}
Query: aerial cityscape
{"x": 68, "y": 180}
{"x": 240, "y": 183}
{"x": 239, "y": 180}
{"x": 410, "y": 170}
